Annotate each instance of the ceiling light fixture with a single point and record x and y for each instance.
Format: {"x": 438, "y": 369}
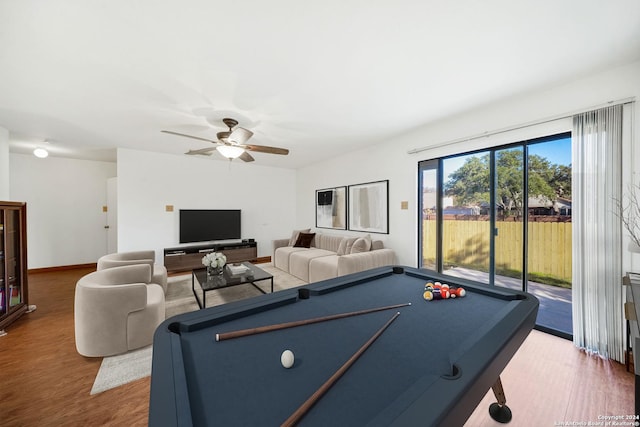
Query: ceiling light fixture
{"x": 230, "y": 151}
{"x": 40, "y": 152}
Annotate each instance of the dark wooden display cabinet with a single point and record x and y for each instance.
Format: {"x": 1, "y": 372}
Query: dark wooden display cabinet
{"x": 13, "y": 262}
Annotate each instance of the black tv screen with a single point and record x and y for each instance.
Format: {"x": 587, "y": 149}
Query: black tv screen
{"x": 201, "y": 225}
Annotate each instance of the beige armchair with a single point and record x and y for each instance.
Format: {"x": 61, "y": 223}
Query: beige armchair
{"x": 159, "y": 272}
{"x": 116, "y": 310}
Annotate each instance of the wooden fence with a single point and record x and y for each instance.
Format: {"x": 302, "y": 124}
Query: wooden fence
{"x": 466, "y": 244}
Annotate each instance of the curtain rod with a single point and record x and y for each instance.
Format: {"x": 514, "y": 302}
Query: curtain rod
{"x": 522, "y": 126}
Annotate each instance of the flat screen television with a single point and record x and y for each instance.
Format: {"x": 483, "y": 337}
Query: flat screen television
{"x": 201, "y": 225}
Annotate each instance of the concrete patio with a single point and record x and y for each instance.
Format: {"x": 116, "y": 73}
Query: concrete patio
{"x": 555, "y": 302}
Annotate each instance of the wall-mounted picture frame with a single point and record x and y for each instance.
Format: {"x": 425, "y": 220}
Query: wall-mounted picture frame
{"x": 331, "y": 208}
{"x": 369, "y": 207}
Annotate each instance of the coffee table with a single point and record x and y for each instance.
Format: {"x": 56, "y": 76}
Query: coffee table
{"x": 226, "y": 280}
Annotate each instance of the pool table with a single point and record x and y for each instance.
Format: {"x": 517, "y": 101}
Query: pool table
{"x": 432, "y": 365}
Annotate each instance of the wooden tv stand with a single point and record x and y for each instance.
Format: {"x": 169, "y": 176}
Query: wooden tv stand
{"x": 189, "y": 257}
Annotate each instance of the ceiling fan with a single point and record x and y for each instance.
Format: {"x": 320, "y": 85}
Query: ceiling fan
{"x": 232, "y": 143}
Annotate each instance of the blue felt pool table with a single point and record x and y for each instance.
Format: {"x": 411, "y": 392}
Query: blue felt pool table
{"x": 432, "y": 365}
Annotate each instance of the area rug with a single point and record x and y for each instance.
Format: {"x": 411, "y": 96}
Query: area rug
{"x": 124, "y": 368}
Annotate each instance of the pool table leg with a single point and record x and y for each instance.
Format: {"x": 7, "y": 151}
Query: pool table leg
{"x": 499, "y": 411}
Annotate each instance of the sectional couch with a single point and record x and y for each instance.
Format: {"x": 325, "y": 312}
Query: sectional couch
{"x": 315, "y": 256}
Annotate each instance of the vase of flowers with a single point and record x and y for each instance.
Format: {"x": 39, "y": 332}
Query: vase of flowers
{"x": 214, "y": 261}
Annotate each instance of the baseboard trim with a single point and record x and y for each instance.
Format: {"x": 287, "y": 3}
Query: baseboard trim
{"x": 61, "y": 268}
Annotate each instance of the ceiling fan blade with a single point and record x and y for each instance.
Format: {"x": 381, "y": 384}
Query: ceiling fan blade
{"x": 240, "y": 135}
{"x": 266, "y": 149}
{"x": 246, "y": 157}
{"x": 189, "y": 136}
{"x": 203, "y": 151}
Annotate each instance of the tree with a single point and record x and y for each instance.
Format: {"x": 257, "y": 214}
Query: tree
{"x": 561, "y": 180}
{"x": 541, "y": 179}
{"x": 509, "y": 166}
{"x": 470, "y": 185}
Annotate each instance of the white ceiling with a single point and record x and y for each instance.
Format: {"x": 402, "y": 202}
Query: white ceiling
{"x": 316, "y": 77}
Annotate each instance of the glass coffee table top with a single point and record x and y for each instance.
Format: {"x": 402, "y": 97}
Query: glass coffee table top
{"x": 227, "y": 279}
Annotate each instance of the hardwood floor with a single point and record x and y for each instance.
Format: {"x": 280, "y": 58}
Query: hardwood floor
{"x": 45, "y": 382}
{"x": 550, "y": 381}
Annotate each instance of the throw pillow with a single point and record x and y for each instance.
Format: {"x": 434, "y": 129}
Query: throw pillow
{"x": 342, "y": 246}
{"x": 363, "y": 244}
{"x": 345, "y": 245}
{"x": 350, "y": 243}
{"x": 294, "y": 235}
{"x": 304, "y": 240}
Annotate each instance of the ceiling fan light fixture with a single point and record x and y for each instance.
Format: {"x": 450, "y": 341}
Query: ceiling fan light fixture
{"x": 40, "y": 153}
{"x": 229, "y": 151}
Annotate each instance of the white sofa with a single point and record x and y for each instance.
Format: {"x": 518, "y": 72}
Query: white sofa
{"x": 328, "y": 255}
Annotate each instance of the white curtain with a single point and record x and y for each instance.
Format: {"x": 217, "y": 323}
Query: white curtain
{"x": 597, "y": 261}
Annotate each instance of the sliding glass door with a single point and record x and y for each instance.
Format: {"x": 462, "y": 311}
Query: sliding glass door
{"x": 502, "y": 217}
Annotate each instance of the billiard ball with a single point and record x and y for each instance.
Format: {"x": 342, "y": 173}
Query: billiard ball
{"x": 287, "y": 359}
{"x": 458, "y": 292}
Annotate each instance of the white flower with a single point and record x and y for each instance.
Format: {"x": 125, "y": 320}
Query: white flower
{"x": 214, "y": 259}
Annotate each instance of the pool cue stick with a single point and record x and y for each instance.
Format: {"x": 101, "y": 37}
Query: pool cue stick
{"x": 278, "y": 326}
{"x": 304, "y": 408}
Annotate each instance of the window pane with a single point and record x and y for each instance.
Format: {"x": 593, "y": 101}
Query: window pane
{"x": 466, "y": 226}
{"x": 509, "y": 217}
{"x": 429, "y": 176}
{"x": 549, "y": 232}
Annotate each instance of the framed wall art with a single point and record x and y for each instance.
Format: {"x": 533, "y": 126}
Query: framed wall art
{"x": 369, "y": 207}
{"x": 331, "y": 208}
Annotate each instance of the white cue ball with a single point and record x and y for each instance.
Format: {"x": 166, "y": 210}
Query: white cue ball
{"x": 287, "y": 358}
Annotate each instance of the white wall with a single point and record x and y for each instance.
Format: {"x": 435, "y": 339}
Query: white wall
{"x": 379, "y": 162}
{"x": 147, "y": 182}
{"x": 5, "y": 193}
{"x": 65, "y": 222}
{"x": 390, "y": 160}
